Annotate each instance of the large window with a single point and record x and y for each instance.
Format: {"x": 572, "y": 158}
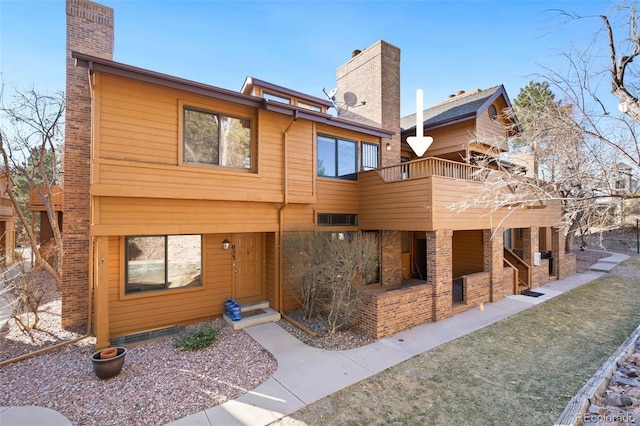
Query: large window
{"x": 337, "y": 158}
{"x": 370, "y": 157}
{"x": 162, "y": 262}
{"x": 216, "y": 139}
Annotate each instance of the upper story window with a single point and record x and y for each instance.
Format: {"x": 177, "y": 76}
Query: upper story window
{"x": 216, "y": 139}
{"x": 278, "y": 98}
{"x": 370, "y": 156}
{"x": 309, "y": 106}
{"x": 337, "y": 158}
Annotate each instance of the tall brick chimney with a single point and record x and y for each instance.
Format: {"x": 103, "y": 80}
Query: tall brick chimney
{"x": 373, "y": 76}
{"x": 90, "y": 31}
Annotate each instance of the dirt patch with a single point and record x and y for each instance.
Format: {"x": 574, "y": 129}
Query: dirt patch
{"x": 341, "y": 340}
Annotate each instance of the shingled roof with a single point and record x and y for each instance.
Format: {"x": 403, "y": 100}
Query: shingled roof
{"x": 460, "y": 107}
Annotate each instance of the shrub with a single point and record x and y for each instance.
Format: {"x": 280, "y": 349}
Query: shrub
{"x": 200, "y": 337}
{"x": 23, "y": 292}
{"x": 327, "y": 272}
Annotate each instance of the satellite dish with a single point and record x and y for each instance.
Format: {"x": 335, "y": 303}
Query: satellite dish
{"x": 350, "y": 99}
{"x": 332, "y": 94}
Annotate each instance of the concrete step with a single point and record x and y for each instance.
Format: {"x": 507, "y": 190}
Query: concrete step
{"x": 250, "y": 317}
{"x": 603, "y": 266}
{"x": 254, "y": 306}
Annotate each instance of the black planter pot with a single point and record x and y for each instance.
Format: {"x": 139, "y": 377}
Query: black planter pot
{"x": 108, "y": 368}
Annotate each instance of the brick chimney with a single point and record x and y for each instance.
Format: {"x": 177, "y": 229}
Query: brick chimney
{"x": 373, "y": 76}
{"x": 90, "y": 31}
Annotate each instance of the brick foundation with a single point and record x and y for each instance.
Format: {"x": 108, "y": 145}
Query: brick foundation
{"x": 385, "y": 313}
{"x": 477, "y": 288}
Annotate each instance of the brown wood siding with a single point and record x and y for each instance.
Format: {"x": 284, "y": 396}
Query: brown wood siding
{"x": 131, "y": 314}
{"x": 337, "y": 196}
{"x": 487, "y": 128}
{"x": 299, "y": 156}
{"x": 447, "y": 191}
{"x": 467, "y": 253}
{"x": 403, "y": 205}
{"x": 139, "y": 216}
{"x": 289, "y": 301}
{"x": 272, "y": 266}
{"x": 300, "y": 163}
{"x": 450, "y": 139}
{"x": 299, "y": 218}
{"x": 425, "y": 204}
{"x": 139, "y": 135}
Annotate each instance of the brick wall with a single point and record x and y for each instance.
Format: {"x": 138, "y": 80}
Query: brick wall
{"x": 386, "y": 313}
{"x": 90, "y": 31}
{"x": 493, "y": 252}
{"x": 506, "y": 286}
{"x": 439, "y": 275}
{"x": 564, "y": 264}
{"x": 373, "y": 76}
{"x": 477, "y": 288}
{"x": 391, "y": 261}
{"x": 568, "y": 265}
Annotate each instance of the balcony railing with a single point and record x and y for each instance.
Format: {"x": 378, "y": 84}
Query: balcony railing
{"x": 36, "y": 204}
{"x": 432, "y": 167}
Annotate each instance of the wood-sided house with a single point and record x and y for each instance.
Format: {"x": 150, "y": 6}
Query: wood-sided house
{"x": 191, "y": 189}
{"x": 7, "y": 223}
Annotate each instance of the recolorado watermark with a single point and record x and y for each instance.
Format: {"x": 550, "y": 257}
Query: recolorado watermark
{"x": 595, "y": 418}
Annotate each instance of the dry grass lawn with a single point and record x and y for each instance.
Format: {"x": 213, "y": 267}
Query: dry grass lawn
{"x": 522, "y": 370}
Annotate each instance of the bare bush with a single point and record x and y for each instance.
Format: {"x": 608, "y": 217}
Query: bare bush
{"x": 22, "y": 293}
{"x": 328, "y": 271}
{"x": 302, "y": 256}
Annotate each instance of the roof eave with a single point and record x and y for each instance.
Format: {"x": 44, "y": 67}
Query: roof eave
{"x": 140, "y": 74}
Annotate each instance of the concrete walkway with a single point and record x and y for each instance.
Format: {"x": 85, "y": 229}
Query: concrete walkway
{"x": 306, "y": 374}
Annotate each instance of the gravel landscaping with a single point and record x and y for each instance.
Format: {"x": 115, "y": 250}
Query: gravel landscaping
{"x": 158, "y": 384}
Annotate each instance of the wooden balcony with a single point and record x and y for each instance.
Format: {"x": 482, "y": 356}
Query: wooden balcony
{"x": 35, "y": 201}
{"x": 6, "y": 208}
{"x": 419, "y": 195}
{"x": 432, "y": 166}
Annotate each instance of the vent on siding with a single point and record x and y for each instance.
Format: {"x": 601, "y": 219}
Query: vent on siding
{"x": 493, "y": 112}
{"x": 145, "y": 336}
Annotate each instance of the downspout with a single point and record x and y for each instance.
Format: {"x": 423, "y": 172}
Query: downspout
{"x": 284, "y": 205}
{"x": 90, "y": 295}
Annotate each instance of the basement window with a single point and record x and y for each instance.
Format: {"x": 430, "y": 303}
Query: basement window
{"x": 337, "y": 219}
{"x": 162, "y": 262}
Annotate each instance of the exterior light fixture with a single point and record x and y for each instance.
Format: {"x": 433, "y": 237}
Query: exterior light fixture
{"x": 388, "y": 146}
{"x": 225, "y": 244}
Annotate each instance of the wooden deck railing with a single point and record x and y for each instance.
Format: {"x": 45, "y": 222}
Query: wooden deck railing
{"x": 523, "y": 268}
{"x": 431, "y": 167}
{"x": 36, "y": 204}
